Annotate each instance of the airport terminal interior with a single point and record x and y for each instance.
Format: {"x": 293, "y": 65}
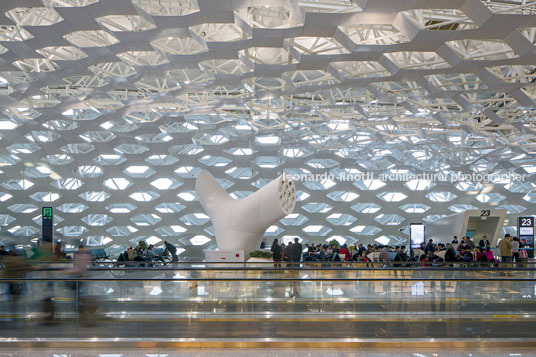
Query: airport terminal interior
{"x": 267, "y": 177}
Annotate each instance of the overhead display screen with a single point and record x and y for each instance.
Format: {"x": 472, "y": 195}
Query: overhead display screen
{"x": 416, "y": 231}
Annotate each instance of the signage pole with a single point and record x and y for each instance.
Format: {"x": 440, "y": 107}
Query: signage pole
{"x": 525, "y": 231}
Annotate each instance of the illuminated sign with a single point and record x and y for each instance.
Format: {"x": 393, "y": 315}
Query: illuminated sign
{"x": 416, "y": 234}
{"x": 47, "y": 212}
{"x": 47, "y": 226}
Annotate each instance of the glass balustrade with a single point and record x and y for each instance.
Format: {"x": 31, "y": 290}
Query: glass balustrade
{"x": 230, "y": 301}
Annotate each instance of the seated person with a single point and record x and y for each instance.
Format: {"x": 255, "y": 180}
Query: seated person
{"x": 450, "y": 254}
{"x": 344, "y": 253}
{"x": 467, "y": 254}
{"x": 489, "y": 255}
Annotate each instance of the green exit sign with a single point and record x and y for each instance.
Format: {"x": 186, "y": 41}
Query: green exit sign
{"x": 47, "y": 212}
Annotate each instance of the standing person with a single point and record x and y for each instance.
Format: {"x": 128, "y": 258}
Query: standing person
{"x": 455, "y": 240}
{"x": 505, "y": 248}
{"x": 297, "y": 250}
{"x": 276, "y": 253}
{"x": 429, "y": 249}
{"x": 515, "y": 249}
{"x": 484, "y": 242}
{"x": 130, "y": 253}
{"x": 172, "y": 250}
{"x": 284, "y": 256}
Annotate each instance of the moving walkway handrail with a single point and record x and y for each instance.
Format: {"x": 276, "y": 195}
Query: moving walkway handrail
{"x": 326, "y": 279}
{"x": 283, "y": 269}
{"x": 192, "y": 262}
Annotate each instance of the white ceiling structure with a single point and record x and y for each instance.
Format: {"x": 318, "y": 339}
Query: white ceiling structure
{"x": 111, "y": 108}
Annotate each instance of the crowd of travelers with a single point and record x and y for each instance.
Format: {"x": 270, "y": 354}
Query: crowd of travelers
{"x": 510, "y": 249}
{"x": 146, "y": 255}
{"x": 294, "y": 252}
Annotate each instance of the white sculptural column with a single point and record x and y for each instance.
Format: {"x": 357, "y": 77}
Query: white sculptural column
{"x": 240, "y": 224}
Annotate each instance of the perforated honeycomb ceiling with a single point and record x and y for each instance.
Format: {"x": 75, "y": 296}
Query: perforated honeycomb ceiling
{"x": 111, "y": 108}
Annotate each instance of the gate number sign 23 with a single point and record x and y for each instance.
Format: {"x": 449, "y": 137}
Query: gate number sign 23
{"x": 526, "y": 222}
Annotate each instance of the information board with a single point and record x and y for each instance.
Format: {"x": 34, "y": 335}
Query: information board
{"x": 525, "y": 230}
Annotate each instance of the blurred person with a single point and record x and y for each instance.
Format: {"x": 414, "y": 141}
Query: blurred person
{"x": 15, "y": 267}
{"x": 80, "y": 270}
{"x": 3, "y": 250}
{"x": 42, "y": 252}
{"x": 455, "y": 240}
{"x": 59, "y": 253}
{"x": 43, "y": 256}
